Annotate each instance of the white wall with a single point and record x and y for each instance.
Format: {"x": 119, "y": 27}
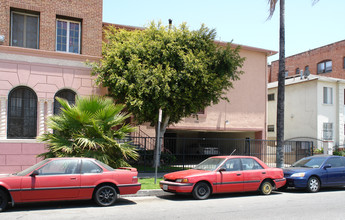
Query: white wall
{"x": 305, "y": 111}
{"x": 300, "y": 109}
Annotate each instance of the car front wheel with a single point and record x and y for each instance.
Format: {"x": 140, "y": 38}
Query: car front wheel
{"x": 105, "y": 196}
{"x": 313, "y": 184}
{"x": 201, "y": 191}
{"x": 3, "y": 200}
{"x": 266, "y": 188}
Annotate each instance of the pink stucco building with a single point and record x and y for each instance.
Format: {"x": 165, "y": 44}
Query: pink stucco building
{"x": 42, "y": 53}
{"x": 43, "y": 48}
{"x": 244, "y": 116}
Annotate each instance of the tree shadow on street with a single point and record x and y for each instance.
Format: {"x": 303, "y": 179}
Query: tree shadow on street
{"x": 39, "y": 206}
{"x": 293, "y": 190}
{"x": 184, "y": 197}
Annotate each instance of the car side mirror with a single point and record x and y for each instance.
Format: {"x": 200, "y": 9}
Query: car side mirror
{"x": 35, "y": 173}
{"x": 327, "y": 166}
{"x": 222, "y": 169}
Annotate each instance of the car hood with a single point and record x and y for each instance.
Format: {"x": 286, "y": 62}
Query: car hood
{"x": 185, "y": 173}
{"x": 292, "y": 170}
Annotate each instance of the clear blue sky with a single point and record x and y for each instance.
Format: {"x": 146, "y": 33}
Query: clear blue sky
{"x": 241, "y": 21}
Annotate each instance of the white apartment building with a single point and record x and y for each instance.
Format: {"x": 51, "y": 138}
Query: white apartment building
{"x": 314, "y": 110}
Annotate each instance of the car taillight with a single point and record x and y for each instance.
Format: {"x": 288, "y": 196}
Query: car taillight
{"x": 134, "y": 179}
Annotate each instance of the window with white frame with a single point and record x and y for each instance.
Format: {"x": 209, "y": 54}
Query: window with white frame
{"x": 327, "y": 131}
{"x": 327, "y": 95}
{"x": 68, "y": 36}
{"x": 24, "y": 29}
{"x": 270, "y": 128}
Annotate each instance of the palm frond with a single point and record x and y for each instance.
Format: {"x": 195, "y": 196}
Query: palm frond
{"x": 90, "y": 128}
{"x": 272, "y": 8}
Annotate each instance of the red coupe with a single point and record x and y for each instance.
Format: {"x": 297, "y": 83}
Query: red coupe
{"x": 68, "y": 179}
{"x": 224, "y": 174}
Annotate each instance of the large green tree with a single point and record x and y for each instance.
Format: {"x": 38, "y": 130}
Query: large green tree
{"x": 169, "y": 68}
{"x": 93, "y": 127}
{"x": 281, "y": 79}
{"x": 174, "y": 69}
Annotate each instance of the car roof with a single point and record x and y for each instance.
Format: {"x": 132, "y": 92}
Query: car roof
{"x": 323, "y": 155}
{"x": 234, "y": 156}
{"x": 64, "y": 158}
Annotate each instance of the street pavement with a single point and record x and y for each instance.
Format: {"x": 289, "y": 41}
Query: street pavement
{"x": 328, "y": 204}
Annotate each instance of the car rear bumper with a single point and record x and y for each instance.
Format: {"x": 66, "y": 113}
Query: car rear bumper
{"x": 129, "y": 188}
{"x": 280, "y": 182}
{"x": 174, "y": 187}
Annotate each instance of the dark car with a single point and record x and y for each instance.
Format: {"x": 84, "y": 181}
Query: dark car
{"x": 315, "y": 172}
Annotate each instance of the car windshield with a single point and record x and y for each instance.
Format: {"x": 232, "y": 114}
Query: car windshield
{"x": 312, "y": 162}
{"x": 209, "y": 164}
{"x": 30, "y": 169}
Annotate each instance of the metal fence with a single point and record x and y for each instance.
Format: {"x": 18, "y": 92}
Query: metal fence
{"x": 184, "y": 153}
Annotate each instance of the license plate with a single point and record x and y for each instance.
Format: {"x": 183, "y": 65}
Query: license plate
{"x": 165, "y": 187}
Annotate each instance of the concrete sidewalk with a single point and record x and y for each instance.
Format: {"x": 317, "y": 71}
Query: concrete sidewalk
{"x": 148, "y": 192}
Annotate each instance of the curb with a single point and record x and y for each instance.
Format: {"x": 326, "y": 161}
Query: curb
{"x": 152, "y": 192}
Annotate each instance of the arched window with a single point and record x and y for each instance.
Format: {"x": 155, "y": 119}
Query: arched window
{"x": 22, "y": 113}
{"x": 67, "y": 94}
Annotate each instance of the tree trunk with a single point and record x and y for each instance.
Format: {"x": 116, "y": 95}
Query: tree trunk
{"x": 281, "y": 88}
{"x": 163, "y": 128}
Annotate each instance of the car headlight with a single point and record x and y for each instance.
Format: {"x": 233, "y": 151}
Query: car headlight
{"x": 184, "y": 180}
{"x": 298, "y": 175}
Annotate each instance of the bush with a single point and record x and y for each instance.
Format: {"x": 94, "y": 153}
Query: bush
{"x": 339, "y": 153}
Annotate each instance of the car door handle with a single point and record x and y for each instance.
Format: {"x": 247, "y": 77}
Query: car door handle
{"x": 263, "y": 172}
{"x": 73, "y": 178}
{"x": 238, "y": 174}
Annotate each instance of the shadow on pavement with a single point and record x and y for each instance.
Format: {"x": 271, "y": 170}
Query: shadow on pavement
{"x": 184, "y": 197}
{"x": 38, "y": 206}
{"x": 322, "y": 190}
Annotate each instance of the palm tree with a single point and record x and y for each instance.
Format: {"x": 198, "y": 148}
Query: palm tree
{"x": 93, "y": 127}
{"x": 281, "y": 79}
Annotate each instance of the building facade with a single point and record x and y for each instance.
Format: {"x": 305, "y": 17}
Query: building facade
{"x": 243, "y": 117}
{"x": 327, "y": 61}
{"x": 314, "y": 110}
{"x": 314, "y": 95}
{"x": 43, "y": 48}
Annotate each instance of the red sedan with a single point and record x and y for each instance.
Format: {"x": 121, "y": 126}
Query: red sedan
{"x": 68, "y": 179}
{"x": 224, "y": 174}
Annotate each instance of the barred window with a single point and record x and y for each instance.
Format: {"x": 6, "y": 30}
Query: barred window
{"x": 67, "y": 94}
{"x": 328, "y": 131}
{"x": 270, "y": 97}
{"x": 22, "y": 113}
{"x": 270, "y": 128}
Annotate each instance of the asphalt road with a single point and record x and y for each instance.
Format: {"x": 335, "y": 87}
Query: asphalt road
{"x": 328, "y": 204}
